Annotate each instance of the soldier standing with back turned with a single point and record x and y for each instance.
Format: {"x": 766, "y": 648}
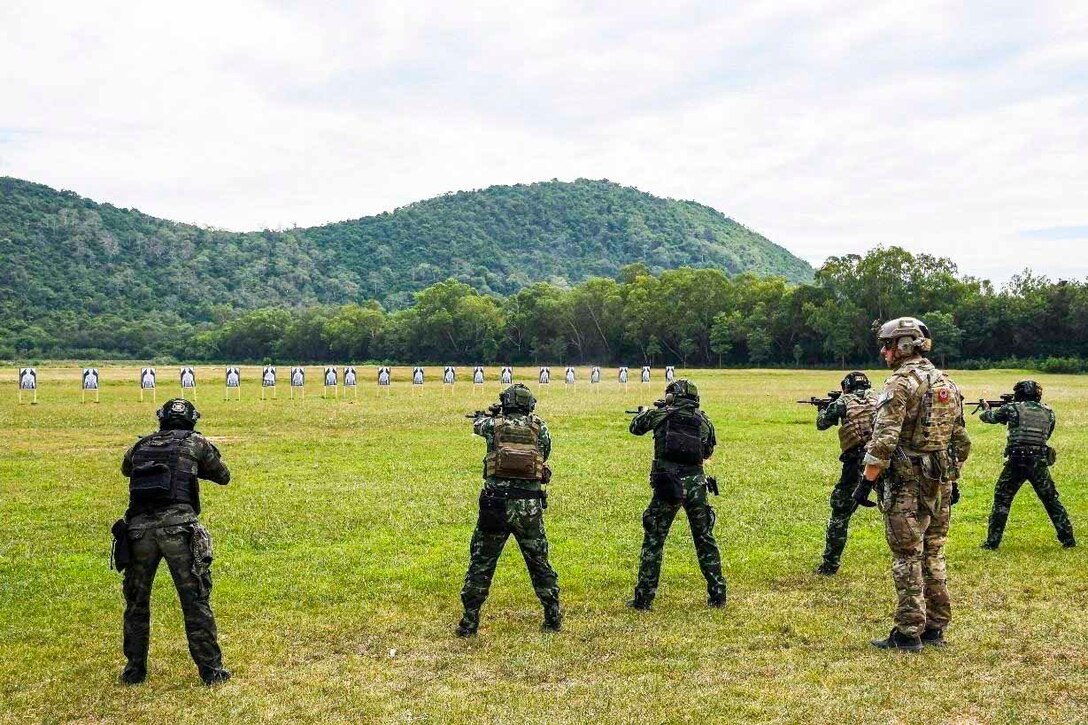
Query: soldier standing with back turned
{"x": 683, "y": 439}
{"x": 853, "y": 413}
{"x": 161, "y": 523}
{"x": 512, "y": 502}
{"x": 918, "y": 434}
{"x": 1028, "y": 458}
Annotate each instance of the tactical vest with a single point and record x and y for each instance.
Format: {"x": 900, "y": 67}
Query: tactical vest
{"x": 161, "y": 472}
{"x": 940, "y": 410}
{"x": 515, "y": 451}
{"x": 1032, "y": 427}
{"x": 856, "y": 427}
{"x": 679, "y": 438}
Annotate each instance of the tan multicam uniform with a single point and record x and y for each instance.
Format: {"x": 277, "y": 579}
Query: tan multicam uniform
{"x": 919, "y": 421}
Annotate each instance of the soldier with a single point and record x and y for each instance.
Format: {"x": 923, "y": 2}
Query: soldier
{"x": 853, "y": 413}
{"x": 683, "y": 439}
{"x": 512, "y": 502}
{"x": 161, "y": 523}
{"x": 918, "y": 444}
{"x": 1031, "y": 423}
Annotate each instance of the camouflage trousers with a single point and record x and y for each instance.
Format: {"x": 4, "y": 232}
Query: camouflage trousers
{"x": 193, "y": 583}
{"x": 842, "y": 508}
{"x": 498, "y": 519}
{"x": 656, "y": 522}
{"x": 1012, "y": 477}
{"x": 916, "y": 511}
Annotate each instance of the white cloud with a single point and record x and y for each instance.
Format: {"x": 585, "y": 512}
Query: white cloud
{"x": 946, "y": 127}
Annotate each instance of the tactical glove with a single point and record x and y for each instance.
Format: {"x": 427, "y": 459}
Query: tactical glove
{"x": 861, "y": 494}
{"x": 955, "y": 499}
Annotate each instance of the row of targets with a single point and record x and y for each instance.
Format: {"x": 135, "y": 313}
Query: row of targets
{"x": 332, "y": 379}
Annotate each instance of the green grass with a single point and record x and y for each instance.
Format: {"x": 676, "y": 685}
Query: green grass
{"x": 342, "y": 541}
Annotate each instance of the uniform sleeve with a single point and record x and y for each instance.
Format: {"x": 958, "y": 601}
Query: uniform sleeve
{"x": 1053, "y": 422}
{"x": 545, "y": 440}
{"x": 961, "y": 442}
{"x": 888, "y": 423}
{"x": 646, "y": 421}
{"x": 995, "y": 415}
{"x": 831, "y": 415}
{"x": 126, "y": 462}
{"x": 210, "y": 465}
{"x": 710, "y": 440}
{"x": 483, "y": 426}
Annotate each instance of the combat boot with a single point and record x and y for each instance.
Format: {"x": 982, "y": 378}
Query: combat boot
{"x": 898, "y": 640}
{"x": 134, "y": 674}
{"x": 989, "y": 545}
{"x": 214, "y": 676}
{"x": 642, "y": 604}
{"x": 1069, "y": 543}
{"x": 934, "y": 637}
{"x": 826, "y": 569}
{"x": 470, "y": 622}
{"x": 553, "y": 618}
{"x": 716, "y": 600}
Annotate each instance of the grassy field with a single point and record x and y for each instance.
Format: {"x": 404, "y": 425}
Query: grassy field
{"x": 343, "y": 538}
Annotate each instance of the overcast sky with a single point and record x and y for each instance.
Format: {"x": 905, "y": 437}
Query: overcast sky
{"x": 957, "y": 128}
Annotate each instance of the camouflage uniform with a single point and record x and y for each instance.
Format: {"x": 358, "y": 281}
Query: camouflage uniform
{"x": 168, "y": 532}
{"x": 847, "y": 412}
{"x": 500, "y": 517}
{"x": 916, "y": 494}
{"x": 1031, "y": 424}
{"x": 659, "y": 515}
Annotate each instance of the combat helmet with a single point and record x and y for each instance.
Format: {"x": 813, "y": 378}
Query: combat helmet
{"x": 177, "y": 413}
{"x": 681, "y": 389}
{"x": 855, "y": 381}
{"x": 517, "y": 399}
{"x": 1027, "y": 390}
{"x": 908, "y": 334}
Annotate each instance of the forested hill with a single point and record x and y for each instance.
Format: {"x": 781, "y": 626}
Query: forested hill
{"x": 64, "y": 254}
{"x": 503, "y": 238}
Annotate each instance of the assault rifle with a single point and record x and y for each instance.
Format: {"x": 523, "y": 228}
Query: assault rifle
{"x": 982, "y": 403}
{"x": 492, "y": 410}
{"x": 822, "y": 403}
{"x": 657, "y": 404}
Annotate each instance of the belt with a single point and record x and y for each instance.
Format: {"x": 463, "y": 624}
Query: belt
{"x": 511, "y": 493}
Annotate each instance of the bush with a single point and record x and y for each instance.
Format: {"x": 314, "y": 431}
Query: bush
{"x": 1062, "y": 365}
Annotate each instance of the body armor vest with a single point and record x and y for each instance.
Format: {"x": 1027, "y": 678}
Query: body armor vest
{"x": 856, "y": 427}
{"x": 161, "y": 473}
{"x": 939, "y": 411}
{"x": 515, "y": 451}
{"x": 1032, "y": 427}
{"x": 679, "y": 438}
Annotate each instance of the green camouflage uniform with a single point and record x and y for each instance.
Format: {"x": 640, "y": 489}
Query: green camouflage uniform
{"x": 659, "y": 515}
{"x": 167, "y": 532}
{"x": 853, "y": 449}
{"x": 1030, "y": 425}
{"x": 499, "y": 518}
{"x": 915, "y": 497}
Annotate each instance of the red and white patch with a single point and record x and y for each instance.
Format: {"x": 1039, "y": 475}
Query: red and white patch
{"x": 943, "y": 395}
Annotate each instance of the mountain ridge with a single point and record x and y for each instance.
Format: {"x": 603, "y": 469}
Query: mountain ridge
{"x": 65, "y": 252}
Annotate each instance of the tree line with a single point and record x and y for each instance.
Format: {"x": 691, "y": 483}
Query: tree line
{"x": 687, "y": 317}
